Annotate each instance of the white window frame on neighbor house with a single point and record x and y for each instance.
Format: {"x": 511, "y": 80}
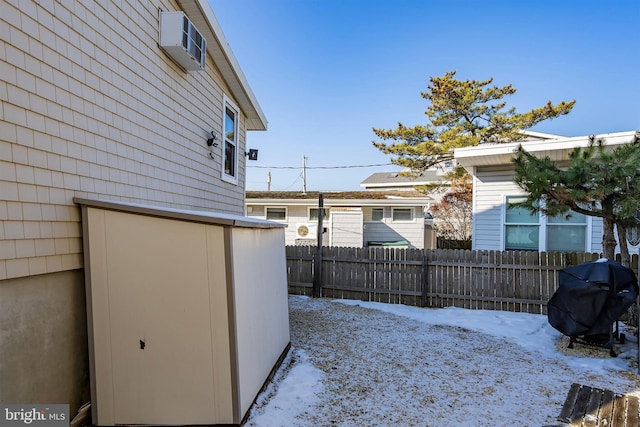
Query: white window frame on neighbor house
{"x": 312, "y": 214}
{"x": 528, "y": 224}
{"x": 393, "y": 214}
{"x": 546, "y": 229}
{"x": 380, "y": 212}
{"x": 229, "y": 172}
{"x": 274, "y": 209}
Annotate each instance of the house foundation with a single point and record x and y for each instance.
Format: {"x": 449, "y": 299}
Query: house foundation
{"x": 43, "y": 340}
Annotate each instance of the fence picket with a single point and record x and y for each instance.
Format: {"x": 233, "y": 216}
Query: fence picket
{"x": 497, "y": 280}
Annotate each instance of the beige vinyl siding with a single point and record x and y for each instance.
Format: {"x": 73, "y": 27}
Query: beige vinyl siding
{"x": 92, "y": 107}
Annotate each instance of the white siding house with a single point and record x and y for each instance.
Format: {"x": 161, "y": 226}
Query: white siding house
{"x": 354, "y": 219}
{"x": 92, "y": 107}
{"x": 498, "y": 227}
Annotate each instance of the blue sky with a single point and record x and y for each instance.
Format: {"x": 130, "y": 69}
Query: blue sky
{"x": 326, "y": 72}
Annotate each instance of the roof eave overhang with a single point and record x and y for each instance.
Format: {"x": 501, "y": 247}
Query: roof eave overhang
{"x": 397, "y": 184}
{"x": 202, "y": 16}
{"x": 422, "y": 201}
{"x": 557, "y": 150}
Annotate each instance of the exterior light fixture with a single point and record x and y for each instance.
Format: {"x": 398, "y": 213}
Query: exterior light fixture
{"x": 211, "y": 141}
{"x": 252, "y": 154}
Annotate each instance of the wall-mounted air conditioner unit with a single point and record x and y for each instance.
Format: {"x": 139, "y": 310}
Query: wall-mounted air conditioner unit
{"x": 306, "y": 231}
{"x": 182, "y": 41}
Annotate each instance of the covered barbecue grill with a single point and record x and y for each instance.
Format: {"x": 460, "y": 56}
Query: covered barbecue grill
{"x": 590, "y": 298}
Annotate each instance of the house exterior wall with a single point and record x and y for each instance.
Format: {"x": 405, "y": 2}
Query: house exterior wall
{"x": 43, "y": 340}
{"x": 90, "y": 106}
{"x": 388, "y": 230}
{"x": 296, "y": 215}
{"x": 346, "y": 227}
{"x": 491, "y": 187}
{"x": 345, "y": 234}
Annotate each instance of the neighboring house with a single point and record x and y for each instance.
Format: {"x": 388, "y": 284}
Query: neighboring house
{"x": 352, "y": 219}
{"x": 397, "y": 181}
{"x": 498, "y": 225}
{"x": 93, "y": 107}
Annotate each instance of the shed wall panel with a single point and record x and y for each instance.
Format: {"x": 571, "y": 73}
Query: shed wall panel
{"x": 261, "y": 306}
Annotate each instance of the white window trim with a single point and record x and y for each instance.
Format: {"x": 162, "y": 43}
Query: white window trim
{"x": 377, "y": 220}
{"x": 286, "y": 213}
{"x": 542, "y": 227}
{"x": 503, "y": 238}
{"x": 232, "y": 179}
{"x": 406, "y": 221}
{"x": 586, "y": 225}
{"x": 324, "y": 218}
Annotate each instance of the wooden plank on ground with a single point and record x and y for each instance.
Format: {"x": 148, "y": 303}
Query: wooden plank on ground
{"x": 580, "y": 406}
{"x": 633, "y": 411}
{"x": 619, "y": 407}
{"x": 606, "y": 410}
{"x": 569, "y": 403}
{"x": 592, "y": 407}
{"x": 591, "y": 413}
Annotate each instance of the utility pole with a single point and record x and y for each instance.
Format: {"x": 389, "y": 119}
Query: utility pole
{"x": 304, "y": 174}
{"x": 317, "y": 265}
{"x": 269, "y": 181}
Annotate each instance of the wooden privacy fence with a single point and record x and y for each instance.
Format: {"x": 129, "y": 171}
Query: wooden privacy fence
{"x": 520, "y": 281}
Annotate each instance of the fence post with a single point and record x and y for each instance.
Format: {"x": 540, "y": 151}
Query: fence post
{"x": 424, "y": 282}
{"x": 317, "y": 271}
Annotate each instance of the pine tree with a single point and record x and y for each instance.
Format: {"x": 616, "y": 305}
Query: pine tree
{"x": 599, "y": 181}
{"x": 461, "y": 113}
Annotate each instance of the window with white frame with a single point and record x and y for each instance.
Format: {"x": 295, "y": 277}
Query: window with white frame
{"x": 313, "y": 214}
{"x": 230, "y": 123}
{"x": 567, "y": 234}
{"x": 521, "y": 227}
{"x": 401, "y": 214}
{"x": 531, "y": 231}
{"x": 276, "y": 214}
{"x": 377, "y": 214}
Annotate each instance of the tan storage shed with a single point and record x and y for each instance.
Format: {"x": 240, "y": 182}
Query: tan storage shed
{"x": 187, "y": 313}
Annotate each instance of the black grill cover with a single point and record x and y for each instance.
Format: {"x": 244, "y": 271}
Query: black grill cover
{"x": 590, "y": 297}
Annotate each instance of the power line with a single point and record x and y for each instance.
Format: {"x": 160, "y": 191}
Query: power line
{"x": 321, "y": 167}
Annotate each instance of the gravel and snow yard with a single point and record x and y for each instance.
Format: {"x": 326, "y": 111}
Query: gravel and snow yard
{"x": 355, "y": 363}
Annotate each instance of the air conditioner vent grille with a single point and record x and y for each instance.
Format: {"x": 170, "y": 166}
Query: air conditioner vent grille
{"x": 182, "y": 41}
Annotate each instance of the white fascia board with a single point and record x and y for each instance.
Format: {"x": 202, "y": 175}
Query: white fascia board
{"x": 542, "y": 135}
{"x": 556, "y": 149}
{"x": 341, "y": 202}
{"x": 398, "y": 184}
{"x": 202, "y": 16}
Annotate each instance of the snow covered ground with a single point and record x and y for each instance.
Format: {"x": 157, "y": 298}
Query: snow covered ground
{"x": 355, "y": 363}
